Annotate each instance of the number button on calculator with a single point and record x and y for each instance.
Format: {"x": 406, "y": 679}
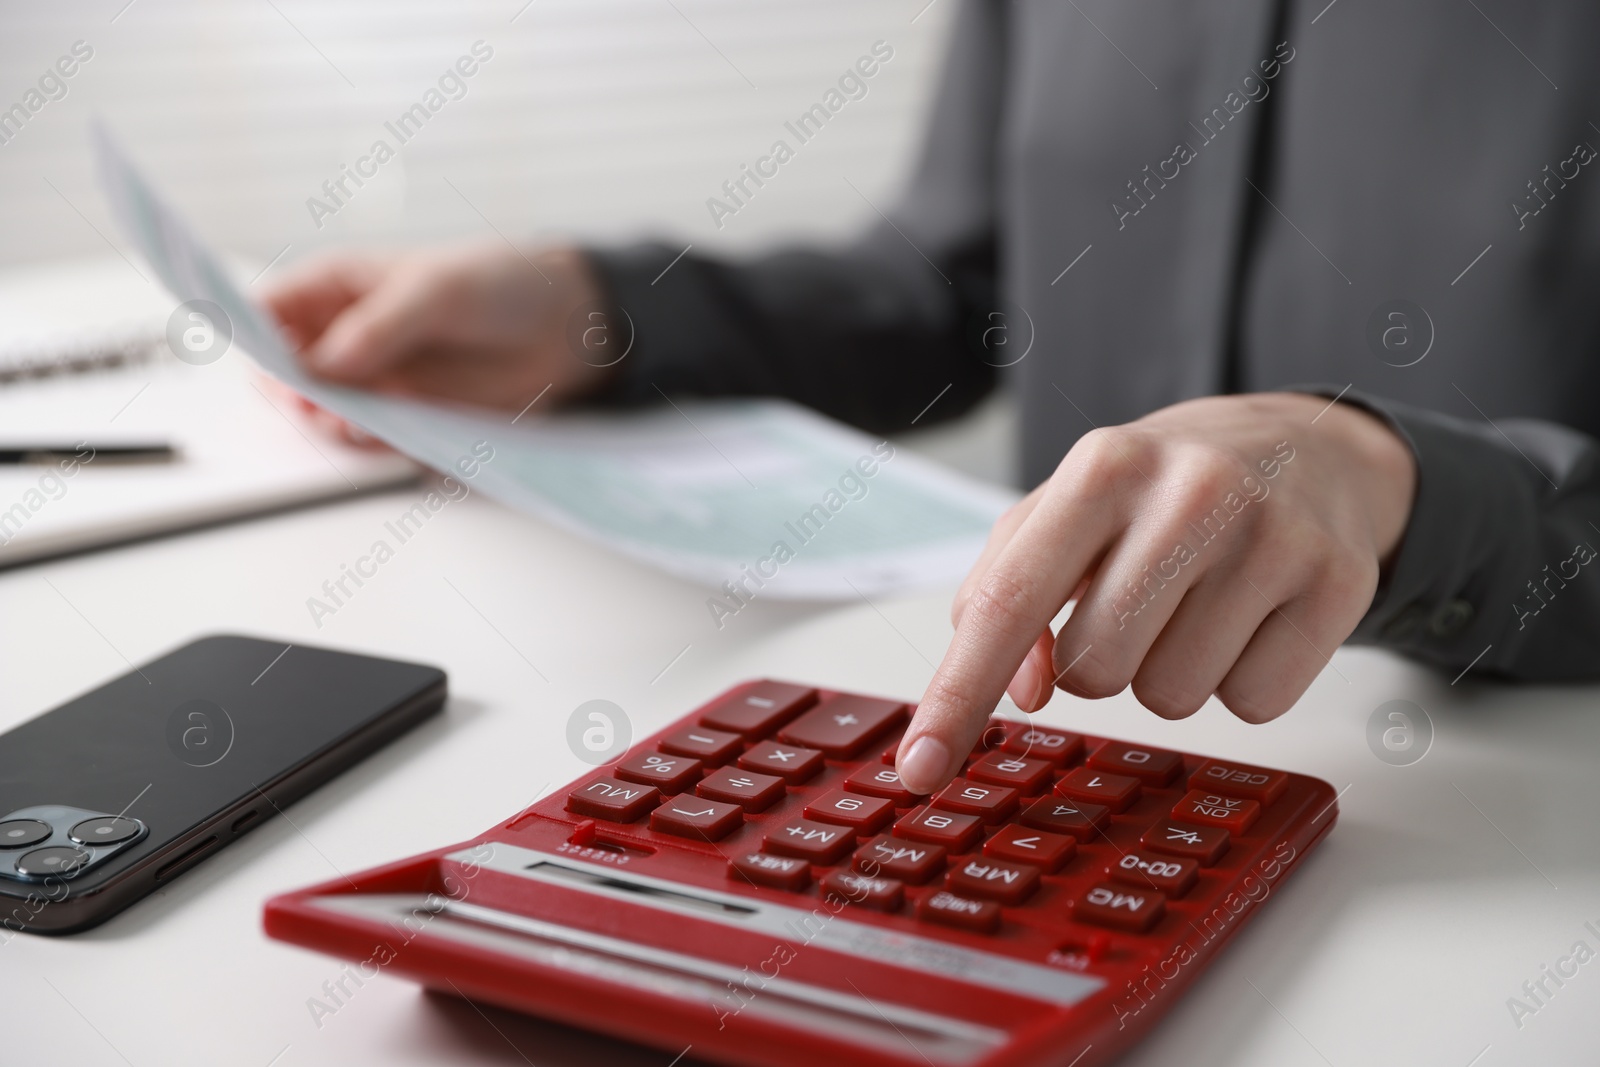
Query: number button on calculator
{"x": 1153, "y": 766}
{"x": 863, "y": 814}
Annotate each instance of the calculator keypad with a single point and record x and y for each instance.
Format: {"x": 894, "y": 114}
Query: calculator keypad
{"x": 1102, "y": 836}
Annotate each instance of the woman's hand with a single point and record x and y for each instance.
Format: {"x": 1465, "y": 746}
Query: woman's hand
{"x": 1221, "y": 546}
{"x": 482, "y": 324}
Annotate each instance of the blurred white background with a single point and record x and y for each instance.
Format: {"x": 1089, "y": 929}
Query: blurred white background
{"x": 600, "y": 120}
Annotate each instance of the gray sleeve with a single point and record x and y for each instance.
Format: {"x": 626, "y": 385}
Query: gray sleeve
{"x": 1498, "y": 566}
{"x": 870, "y": 333}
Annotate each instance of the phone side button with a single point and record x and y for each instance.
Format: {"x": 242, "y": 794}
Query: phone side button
{"x": 194, "y": 855}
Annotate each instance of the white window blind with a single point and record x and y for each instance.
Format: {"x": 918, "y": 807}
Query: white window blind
{"x": 598, "y": 120}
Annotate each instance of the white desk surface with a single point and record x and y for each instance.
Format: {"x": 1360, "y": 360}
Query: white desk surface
{"x": 1444, "y": 887}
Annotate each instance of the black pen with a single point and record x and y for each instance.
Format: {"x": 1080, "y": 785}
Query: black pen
{"x": 13, "y": 454}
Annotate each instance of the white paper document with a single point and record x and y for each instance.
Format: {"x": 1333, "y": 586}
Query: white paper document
{"x": 773, "y": 498}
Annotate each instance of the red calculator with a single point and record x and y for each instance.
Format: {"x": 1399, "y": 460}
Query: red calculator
{"x": 754, "y": 882}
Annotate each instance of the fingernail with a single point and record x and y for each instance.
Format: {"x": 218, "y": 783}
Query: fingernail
{"x": 922, "y": 769}
{"x": 1025, "y": 686}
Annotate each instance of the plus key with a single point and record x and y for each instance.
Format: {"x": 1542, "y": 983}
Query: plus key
{"x": 842, "y": 726}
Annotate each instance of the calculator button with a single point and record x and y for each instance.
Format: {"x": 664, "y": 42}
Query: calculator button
{"x": 991, "y": 803}
{"x": 697, "y": 818}
{"x": 842, "y": 726}
{"x": 1154, "y": 767}
{"x": 881, "y": 782}
{"x": 1240, "y": 780}
{"x": 817, "y": 842}
{"x": 1168, "y": 875}
{"x": 945, "y": 907}
{"x": 1064, "y": 816}
{"x": 760, "y": 709}
{"x": 670, "y": 774}
{"x": 865, "y": 815}
{"x": 1115, "y": 791}
{"x": 613, "y": 799}
{"x": 1008, "y": 883}
{"x": 749, "y": 790}
{"x": 1203, "y": 844}
{"x": 1123, "y": 907}
{"x": 1020, "y": 844}
{"x": 709, "y": 746}
{"x": 952, "y": 830}
{"x": 894, "y": 858}
{"x": 1056, "y": 746}
{"x": 890, "y": 754}
{"x": 779, "y": 872}
{"x": 1233, "y": 814}
{"x": 1026, "y": 776}
{"x": 790, "y": 762}
{"x": 879, "y": 894}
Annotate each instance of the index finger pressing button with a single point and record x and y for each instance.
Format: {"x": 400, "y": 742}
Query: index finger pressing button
{"x": 842, "y": 726}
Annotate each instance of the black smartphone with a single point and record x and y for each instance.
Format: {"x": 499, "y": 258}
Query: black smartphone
{"x": 119, "y": 791}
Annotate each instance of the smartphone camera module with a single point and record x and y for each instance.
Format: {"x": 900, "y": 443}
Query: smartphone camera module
{"x": 56, "y": 842}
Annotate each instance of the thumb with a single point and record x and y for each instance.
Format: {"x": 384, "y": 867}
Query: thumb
{"x": 382, "y": 328}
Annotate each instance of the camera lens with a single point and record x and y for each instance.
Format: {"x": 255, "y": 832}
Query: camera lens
{"x": 57, "y": 859}
{"x": 20, "y": 833}
{"x": 105, "y": 830}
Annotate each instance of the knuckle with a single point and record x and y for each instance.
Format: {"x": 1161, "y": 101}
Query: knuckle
{"x": 1094, "y": 677}
{"x": 1102, "y": 459}
{"x": 1254, "y": 704}
{"x": 1166, "y": 699}
{"x": 999, "y": 600}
